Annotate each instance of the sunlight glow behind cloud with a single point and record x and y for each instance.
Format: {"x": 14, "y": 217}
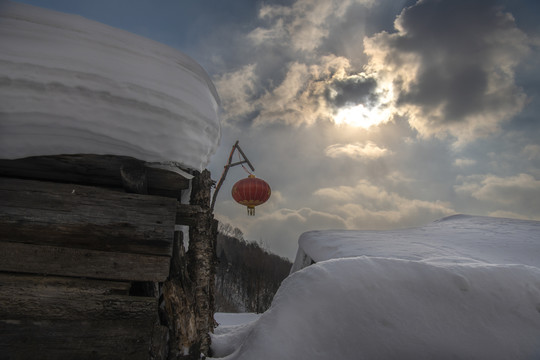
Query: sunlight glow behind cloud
{"x": 362, "y": 116}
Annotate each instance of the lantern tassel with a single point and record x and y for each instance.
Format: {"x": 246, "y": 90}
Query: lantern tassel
{"x": 251, "y": 210}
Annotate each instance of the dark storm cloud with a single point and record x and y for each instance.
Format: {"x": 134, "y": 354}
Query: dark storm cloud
{"x": 453, "y": 40}
{"x": 452, "y": 63}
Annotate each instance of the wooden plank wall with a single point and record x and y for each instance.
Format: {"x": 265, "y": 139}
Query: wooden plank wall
{"x": 70, "y": 255}
{"x": 75, "y": 230}
{"x": 48, "y": 317}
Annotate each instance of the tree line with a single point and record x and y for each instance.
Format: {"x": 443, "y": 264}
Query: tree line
{"x": 247, "y": 276}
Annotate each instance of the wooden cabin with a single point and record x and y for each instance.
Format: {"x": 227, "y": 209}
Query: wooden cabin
{"x": 93, "y": 263}
{"x": 103, "y": 256}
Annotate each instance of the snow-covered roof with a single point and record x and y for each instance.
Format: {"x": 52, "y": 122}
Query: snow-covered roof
{"x": 454, "y": 239}
{"x": 461, "y": 288}
{"x": 71, "y": 85}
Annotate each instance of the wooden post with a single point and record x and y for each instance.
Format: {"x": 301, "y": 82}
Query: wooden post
{"x": 202, "y": 257}
{"x": 188, "y": 293}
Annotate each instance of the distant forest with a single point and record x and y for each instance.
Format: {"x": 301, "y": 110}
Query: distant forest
{"x": 247, "y": 276}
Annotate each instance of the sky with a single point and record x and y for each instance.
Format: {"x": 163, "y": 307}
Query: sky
{"x": 361, "y": 114}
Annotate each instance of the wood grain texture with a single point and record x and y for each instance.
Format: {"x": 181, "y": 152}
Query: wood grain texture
{"x": 85, "y": 217}
{"x": 52, "y": 260}
{"x": 80, "y": 339}
{"x": 35, "y": 297}
{"x": 91, "y": 169}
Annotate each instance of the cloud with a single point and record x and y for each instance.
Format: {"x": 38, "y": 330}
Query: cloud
{"x": 512, "y": 215}
{"x": 237, "y": 91}
{"x": 451, "y": 64}
{"x": 448, "y": 68}
{"x": 292, "y": 78}
{"x": 368, "y": 206}
{"x": 464, "y": 162}
{"x": 518, "y": 194}
{"x": 304, "y": 24}
{"x": 306, "y": 93}
{"x": 532, "y": 151}
{"x": 368, "y": 150}
{"x": 351, "y": 90}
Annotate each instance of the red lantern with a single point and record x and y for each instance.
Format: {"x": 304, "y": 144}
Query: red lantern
{"x": 251, "y": 192}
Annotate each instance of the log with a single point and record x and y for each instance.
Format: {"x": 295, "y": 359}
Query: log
{"x": 179, "y": 306}
{"x": 34, "y": 297}
{"x": 112, "y": 238}
{"x": 101, "y": 170}
{"x": 202, "y": 259}
{"x": 165, "y": 182}
{"x": 51, "y": 260}
{"x": 85, "y": 217}
{"x": 89, "y": 169}
{"x": 202, "y": 270}
{"x": 81, "y": 339}
{"x": 44, "y": 195}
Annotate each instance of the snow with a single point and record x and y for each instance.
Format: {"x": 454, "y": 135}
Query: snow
{"x": 232, "y": 330}
{"x": 70, "y": 85}
{"x": 455, "y": 239}
{"x": 234, "y": 319}
{"x": 460, "y": 288}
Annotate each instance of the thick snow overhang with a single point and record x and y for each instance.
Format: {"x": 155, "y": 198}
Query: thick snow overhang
{"x": 72, "y": 86}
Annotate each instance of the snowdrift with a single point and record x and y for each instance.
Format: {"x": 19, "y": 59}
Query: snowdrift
{"x": 70, "y": 85}
{"x": 445, "y": 291}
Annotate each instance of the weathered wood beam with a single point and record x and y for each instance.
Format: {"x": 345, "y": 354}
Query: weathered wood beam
{"x": 102, "y": 170}
{"x": 81, "y": 339}
{"x": 89, "y": 169}
{"x": 113, "y": 238}
{"x": 165, "y": 182}
{"x": 85, "y": 217}
{"x": 35, "y": 297}
{"x": 52, "y": 260}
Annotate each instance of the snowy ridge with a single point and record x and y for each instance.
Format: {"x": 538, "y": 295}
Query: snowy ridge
{"x": 71, "y": 85}
{"x": 460, "y": 288}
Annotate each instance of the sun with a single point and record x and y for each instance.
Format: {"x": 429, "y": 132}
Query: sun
{"x": 362, "y": 116}
{"x": 366, "y": 116}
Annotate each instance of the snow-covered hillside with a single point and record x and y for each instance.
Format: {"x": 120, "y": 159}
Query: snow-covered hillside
{"x": 460, "y": 288}
{"x": 71, "y": 85}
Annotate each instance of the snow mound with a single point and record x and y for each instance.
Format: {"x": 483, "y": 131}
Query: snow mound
{"x": 376, "y": 308}
{"x": 455, "y": 239}
{"x": 232, "y": 329}
{"x": 70, "y": 85}
{"x": 460, "y": 288}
